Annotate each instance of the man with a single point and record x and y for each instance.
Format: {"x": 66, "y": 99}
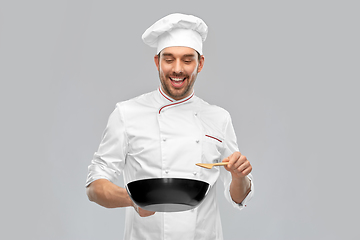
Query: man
{"x": 163, "y": 134}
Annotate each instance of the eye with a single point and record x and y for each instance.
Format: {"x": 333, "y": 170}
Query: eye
{"x": 168, "y": 60}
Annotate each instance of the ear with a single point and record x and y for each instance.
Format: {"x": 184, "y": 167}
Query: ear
{"x": 201, "y": 63}
{"x": 156, "y": 60}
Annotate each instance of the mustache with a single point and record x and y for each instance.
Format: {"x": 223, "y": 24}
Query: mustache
{"x": 179, "y": 75}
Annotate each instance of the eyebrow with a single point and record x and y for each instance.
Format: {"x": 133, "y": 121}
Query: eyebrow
{"x": 171, "y": 55}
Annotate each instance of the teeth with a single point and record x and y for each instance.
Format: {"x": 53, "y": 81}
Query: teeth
{"x": 177, "y": 79}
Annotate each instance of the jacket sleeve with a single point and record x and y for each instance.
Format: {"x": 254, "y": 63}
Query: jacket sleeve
{"x": 230, "y": 146}
{"x": 109, "y": 160}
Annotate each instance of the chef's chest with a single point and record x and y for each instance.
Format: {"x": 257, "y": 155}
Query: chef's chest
{"x": 174, "y": 134}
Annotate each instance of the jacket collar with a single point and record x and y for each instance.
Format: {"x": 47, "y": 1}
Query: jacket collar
{"x": 167, "y": 101}
{"x": 165, "y": 97}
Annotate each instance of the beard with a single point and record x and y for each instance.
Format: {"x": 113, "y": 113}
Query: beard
{"x": 174, "y": 93}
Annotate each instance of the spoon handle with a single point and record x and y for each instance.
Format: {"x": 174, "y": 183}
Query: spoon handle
{"x": 221, "y": 164}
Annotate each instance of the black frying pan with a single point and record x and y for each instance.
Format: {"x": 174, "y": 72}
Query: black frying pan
{"x": 167, "y": 194}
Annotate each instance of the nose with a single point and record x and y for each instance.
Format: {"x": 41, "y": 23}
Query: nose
{"x": 178, "y": 68}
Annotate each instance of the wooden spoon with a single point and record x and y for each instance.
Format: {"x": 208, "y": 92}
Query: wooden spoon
{"x": 210, "y": 165}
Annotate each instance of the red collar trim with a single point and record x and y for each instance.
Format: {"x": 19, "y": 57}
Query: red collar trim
{"x": 165, "y": 95}
{"x": 185, "y": 100}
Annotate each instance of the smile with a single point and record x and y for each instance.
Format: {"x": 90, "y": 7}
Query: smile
{"x": 177, "y": 79}
{"x": 177, "y": 82}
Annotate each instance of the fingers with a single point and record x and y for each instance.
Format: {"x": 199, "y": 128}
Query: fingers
{"x": 235, "y": 160}
{"x": 145, "y": 213}
{"x": 238, "y": 165}
{"x": 142, "y": 212}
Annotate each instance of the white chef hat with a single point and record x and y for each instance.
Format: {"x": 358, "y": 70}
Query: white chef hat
{"x": 176, "y": 30}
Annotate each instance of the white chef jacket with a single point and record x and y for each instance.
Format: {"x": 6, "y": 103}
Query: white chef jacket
{"x": 154, "y": 136}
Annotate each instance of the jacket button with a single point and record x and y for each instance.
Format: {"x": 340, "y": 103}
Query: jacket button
{"x": 195, "y": 173}
{"x": 166, "y": 171}
{"x": 197, "y": 141}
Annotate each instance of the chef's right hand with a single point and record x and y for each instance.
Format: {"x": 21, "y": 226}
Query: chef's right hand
{"x": 142, "y": 212}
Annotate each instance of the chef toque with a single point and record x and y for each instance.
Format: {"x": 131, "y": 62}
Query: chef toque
{"x": 176, "y": 30}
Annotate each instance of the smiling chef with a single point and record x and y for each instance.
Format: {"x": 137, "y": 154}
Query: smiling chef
{"x": 163, "y": 134}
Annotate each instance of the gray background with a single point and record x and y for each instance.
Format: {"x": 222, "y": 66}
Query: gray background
{"x": 288, "y": 72}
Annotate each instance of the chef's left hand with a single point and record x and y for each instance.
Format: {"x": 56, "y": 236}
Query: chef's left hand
{"x": 238, "y": 165}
